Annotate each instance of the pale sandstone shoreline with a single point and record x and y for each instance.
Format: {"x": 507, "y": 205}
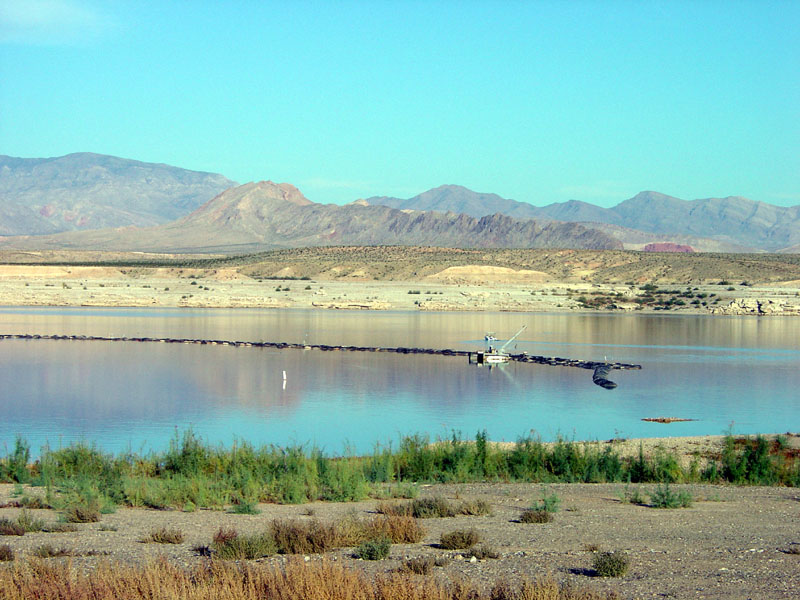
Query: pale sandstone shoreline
{"x": 47, "y": 285}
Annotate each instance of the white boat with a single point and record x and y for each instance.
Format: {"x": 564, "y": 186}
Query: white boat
{"x": 496, "y": 356}
{"x": 489, "y": 337}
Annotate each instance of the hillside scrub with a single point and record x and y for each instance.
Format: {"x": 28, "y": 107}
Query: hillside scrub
{"x": 195, "y": 473}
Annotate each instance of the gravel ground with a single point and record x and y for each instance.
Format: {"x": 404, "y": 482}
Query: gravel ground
{"x": 733, "y": 542}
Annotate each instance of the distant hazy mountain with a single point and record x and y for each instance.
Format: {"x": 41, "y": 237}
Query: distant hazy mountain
{"x": 268, "y": 215}
{"x": 458, "y": 199}
{"x": 92, "y": 191}
{"x": 718, "y": 224}
{"x": 733, "y": 219}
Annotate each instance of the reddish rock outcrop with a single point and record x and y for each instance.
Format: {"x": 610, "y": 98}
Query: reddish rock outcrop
{"x": 667, "y": 247}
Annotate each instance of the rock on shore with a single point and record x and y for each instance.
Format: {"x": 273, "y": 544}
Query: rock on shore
{"x": 758, "y": 306}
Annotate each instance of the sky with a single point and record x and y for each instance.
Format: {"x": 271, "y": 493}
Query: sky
{"x": 539, "y": 101}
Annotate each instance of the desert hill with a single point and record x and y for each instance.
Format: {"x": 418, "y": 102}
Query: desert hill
{"x": 393, "y": 263}
{"x": 263, "y": 215}
{"x": 414, "y": 263}
{"x": 92, "y": 191}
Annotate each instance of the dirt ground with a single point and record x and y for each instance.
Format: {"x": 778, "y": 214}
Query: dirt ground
{"x": 733, "y": 542}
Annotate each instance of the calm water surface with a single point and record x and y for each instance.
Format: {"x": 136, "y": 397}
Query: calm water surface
{"x": 126, "y": 395}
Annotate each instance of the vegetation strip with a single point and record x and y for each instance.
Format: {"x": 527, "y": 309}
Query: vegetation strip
{"x": 83, "y": 482}
{"x": 542, "y": 360}
{"x": 296, "y": 580}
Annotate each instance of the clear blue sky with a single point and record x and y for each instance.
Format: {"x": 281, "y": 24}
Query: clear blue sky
{"x": 536, "y": 101}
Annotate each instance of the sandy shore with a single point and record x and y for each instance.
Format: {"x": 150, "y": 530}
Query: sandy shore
{"x": 47, "y": 285}
{"x": 733, "y": 542}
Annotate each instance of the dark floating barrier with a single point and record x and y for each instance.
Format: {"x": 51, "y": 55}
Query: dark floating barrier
{"x": 600, "y": 377}
{"x": 601, "y": 369}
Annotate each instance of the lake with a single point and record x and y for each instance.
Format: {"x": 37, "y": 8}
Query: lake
{"x": 721, "y": 371}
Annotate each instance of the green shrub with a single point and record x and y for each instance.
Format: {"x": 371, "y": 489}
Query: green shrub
{"x": 459, "y": 539}
{"x": 374, "y": 549}
{"x": 16, "y": 464}
{"x": 634, "y": 496}
{"x": 229, "y": 545}
{"x": 611, "y": 564}
{"x": 664, "y": 497}
{"x": 548, "y": 503}
{"x": 29, "y": 523}
{"x": 341, "y": 480}
{"x": 244, "y": 508}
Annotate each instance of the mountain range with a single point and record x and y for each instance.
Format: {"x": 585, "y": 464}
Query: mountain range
{"x": 713, "y": 224}
{"x": 264, "y": 215}
{"x": 91, "y": 191}
{"x": 93, "y": 201}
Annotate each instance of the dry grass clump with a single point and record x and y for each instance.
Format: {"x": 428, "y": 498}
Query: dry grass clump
{"x": 294, "y": 536}
{"x": 546, "y": 588}
{"x": 229, "y": 545}
{"x": 422, "y": 565}
{"x": 475, "y": 508}
{"x": 395, "y": 509}
{"x": 459, "y": 539}
{"x": 435, "y": 507}
{"x": 60, "y": 528}
{"x": 79, "y": 513}
{"x": 535, "y": 516}
{"x": 9, "y": 527}
{"x": 304, "y": 537}
{"x": 6, "y": 553}
{"x": 399, "y": 529}
{"x": 483, "y": 552}
{"x": 164, "y": 535}
{"x": 48, "y": 551}
{"x": 296, "y": 579}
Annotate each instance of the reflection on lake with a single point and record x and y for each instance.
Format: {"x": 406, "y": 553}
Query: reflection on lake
{"x": 133, "y": 395}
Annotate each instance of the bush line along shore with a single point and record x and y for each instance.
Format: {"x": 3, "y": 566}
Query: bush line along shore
{"x": 194, "y": 474}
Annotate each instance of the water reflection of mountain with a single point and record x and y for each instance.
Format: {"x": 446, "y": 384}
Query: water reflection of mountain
{"x": 717, "y": 370}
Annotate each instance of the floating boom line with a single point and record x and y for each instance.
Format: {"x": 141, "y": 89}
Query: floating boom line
{"x": 523, "y": 357}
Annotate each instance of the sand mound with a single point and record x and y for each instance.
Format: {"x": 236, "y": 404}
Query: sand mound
{"x": 487, "y": 274}
{"x": 56, "y": 272}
